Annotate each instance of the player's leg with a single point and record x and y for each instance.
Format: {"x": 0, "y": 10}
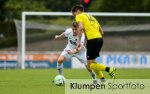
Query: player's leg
{"x": 91, "y": 72}
{"x": 91, "y": 58}
{"x": 81, "y": 56}
{"x": 93, "y": 53}
{"x": 63, "y": 57}
{"x": 100, "y": 67}
{"x": 97, "y": 72}
{"x": 101, "y": 75}
{"x": 93, "y": 75}
{"x": 60, "y": 61}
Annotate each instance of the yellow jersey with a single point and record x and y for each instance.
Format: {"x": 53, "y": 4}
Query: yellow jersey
{"x": 90, "y": 24}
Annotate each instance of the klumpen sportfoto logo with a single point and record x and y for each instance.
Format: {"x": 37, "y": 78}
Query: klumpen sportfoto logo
{"x": 110, "y": 86}
{"x": 120, "y": 86}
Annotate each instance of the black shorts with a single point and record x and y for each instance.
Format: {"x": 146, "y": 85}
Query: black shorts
{"x": 93, "y": 48}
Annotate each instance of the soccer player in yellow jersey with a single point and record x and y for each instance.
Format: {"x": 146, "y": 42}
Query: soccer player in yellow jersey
{"x": 94, "y": 36}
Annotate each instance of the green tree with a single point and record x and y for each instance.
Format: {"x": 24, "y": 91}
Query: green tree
{"x": 2, "y": 9}
{"x": 15, "y": 7}
{"x": 95, "y": 6}
{"x": 61, "y": 5}
{"x": 120, "y": 6}
{"x": 146, "y": 5}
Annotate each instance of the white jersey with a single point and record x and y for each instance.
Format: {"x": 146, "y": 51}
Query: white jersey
{"x": 72, "y": 44}
{"x": 72, "y": 40}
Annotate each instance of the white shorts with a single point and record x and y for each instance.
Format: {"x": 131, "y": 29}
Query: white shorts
{"x": 81, "y": 56}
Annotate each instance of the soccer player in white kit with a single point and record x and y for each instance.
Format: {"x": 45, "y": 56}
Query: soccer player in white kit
{"x": 71, "y": 49}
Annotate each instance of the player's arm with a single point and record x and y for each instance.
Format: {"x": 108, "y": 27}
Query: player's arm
{"x": 76, "y": 50}
{"x": 80, "y": 32}
{"x": 62, "y": 35}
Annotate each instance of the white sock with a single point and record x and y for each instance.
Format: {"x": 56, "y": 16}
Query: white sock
{"x": 60, "y": 68}
{"x": 93, "y": 75}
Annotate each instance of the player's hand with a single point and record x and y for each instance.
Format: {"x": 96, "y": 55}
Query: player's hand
{"x": 79, "y": 46}
{"x": 70, "y": 52}
{"x": 56, "y": 36}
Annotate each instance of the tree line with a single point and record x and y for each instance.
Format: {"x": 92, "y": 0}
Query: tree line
{"x": 13, "y": 8}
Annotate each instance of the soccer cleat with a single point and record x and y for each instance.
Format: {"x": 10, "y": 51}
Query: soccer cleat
{"x": 112, "y": 73}
{"x": 95, "y": 82}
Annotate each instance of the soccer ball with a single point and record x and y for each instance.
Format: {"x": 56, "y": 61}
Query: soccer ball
{"x": 59, "y": 80}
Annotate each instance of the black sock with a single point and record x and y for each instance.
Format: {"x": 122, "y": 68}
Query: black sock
{"x": 107, "y": 69}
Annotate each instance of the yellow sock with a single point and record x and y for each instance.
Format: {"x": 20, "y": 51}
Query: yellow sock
{"x": 99, "y": 74}
{"x": 97, "y": 66}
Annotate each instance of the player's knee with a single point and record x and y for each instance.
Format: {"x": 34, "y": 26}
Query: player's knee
{"x": 88, "y": 65}
{"x": 92, "y": 66}
{"x": 60, "y": 60}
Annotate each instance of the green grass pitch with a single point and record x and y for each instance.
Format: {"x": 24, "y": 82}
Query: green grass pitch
{"x": 39, "y": 81}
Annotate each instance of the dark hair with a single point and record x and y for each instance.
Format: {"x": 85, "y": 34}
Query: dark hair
{"x": 75, "y": 24}
{"x": 77, "y": 7}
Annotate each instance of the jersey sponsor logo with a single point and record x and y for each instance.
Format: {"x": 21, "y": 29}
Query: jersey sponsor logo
{"x": 73, "y": 41}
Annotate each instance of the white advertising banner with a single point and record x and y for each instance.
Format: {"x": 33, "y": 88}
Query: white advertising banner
{"x": 121, "y": 60}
